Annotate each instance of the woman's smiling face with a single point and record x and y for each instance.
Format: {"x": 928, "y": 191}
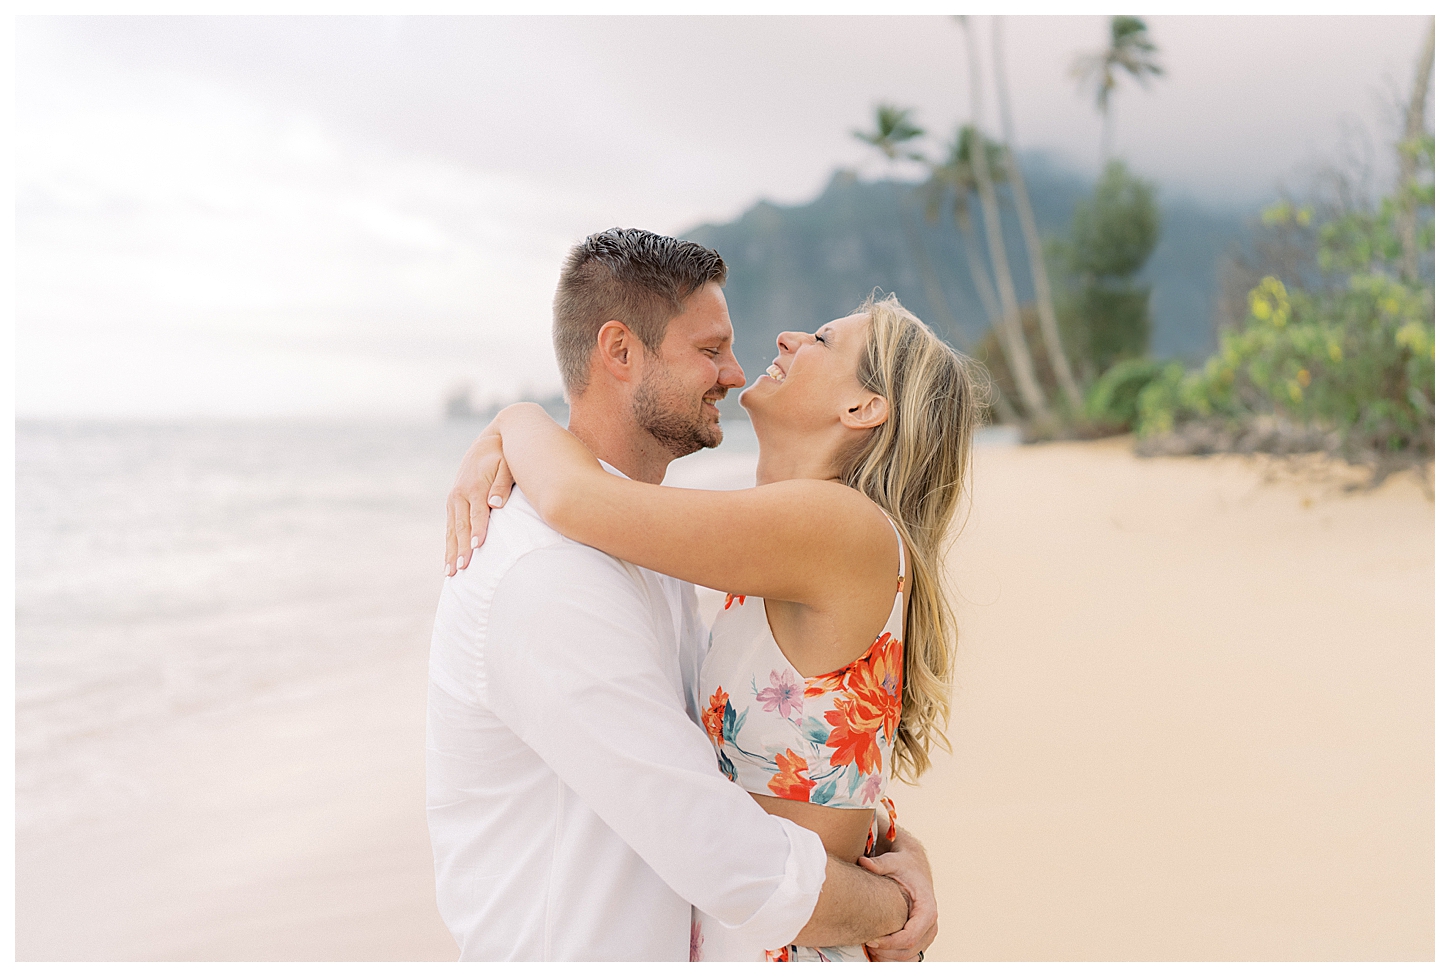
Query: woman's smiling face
{"x": 813, "y": 379}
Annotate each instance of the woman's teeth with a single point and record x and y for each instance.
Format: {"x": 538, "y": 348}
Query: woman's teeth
{"x": 774, "y": 373}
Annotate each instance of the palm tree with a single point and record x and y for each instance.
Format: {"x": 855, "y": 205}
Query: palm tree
{"x": 951, "y": 184}
{"x": 894, "y": 129}
{"x": 1046, "y": 315}
{"x": 1130, "y": 51}
{"x": 1014, "y": 340}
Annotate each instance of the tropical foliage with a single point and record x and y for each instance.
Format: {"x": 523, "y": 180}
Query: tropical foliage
{"x": 1333, "y": 342}
{"x": 1105, "y": 310}
{"x": 1352, "y": 359}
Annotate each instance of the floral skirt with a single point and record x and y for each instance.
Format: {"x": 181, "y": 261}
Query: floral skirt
{"x": 710, "y": 941}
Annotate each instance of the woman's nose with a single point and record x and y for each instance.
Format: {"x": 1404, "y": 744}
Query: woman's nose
{"x": 789, "y": 342}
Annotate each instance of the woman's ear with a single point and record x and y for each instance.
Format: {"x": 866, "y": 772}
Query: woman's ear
{"x": 868, "y": 412}
{"x": 615, "y": 343}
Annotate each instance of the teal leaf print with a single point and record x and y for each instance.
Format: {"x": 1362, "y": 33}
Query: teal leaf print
{"x": 726, "y": 767}
{"x": 823, "y": 792}
{"x": 815, "y": 730}
{"x": 731, "y": 722}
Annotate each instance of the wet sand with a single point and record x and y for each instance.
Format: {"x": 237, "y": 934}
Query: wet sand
{"x": 1194, "y": 722}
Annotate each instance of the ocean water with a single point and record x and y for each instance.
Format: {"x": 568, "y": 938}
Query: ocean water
{"x": 168, "y": 574}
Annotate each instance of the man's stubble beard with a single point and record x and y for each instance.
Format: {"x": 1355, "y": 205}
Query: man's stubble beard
{"x": 682, "y": 434}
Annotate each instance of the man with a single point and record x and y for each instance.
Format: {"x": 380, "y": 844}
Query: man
{"x": 574, "y": 803}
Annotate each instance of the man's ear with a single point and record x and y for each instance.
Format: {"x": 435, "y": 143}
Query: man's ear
{"x": 868, "y": 412}
{"x": 616, "y": 345}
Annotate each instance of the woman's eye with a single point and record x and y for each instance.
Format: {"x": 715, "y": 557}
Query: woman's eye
{"x": 820, "y": 339}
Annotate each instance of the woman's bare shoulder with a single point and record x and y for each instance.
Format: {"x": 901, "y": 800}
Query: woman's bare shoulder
{"x": 857, "y": 527}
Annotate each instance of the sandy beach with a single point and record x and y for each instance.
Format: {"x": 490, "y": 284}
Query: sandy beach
{"x": 1194, "y": 721}
{"x": 1195, "y": 714}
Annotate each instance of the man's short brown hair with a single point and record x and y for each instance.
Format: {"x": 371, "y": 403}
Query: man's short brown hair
{"x": 636, "y": 277}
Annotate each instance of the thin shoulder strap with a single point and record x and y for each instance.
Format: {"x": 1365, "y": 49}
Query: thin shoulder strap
{"x": 900, "y": 552}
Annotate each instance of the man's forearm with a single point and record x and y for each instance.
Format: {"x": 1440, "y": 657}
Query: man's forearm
{"x": 854, "y": 906}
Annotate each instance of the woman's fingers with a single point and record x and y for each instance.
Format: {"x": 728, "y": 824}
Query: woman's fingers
{"x": 503, "y": 484}
{"x": 458, "y": 545}
{"x": 483, "y": 497}
{"x": 450, "y": 543}
{"x": 481, "y": 476}
{"x": 468, "y": 500}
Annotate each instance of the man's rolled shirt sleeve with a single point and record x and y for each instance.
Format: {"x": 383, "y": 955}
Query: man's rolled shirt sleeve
{"x": 574, "y": 665}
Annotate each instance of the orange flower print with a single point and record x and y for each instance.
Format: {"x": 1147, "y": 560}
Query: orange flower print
{"x": 829, "y": 682}
{"x": 714, "y": 717}
{"x": 853, "y": 736}
{"x": 732, "y": 598}
{"x": 871, "y": 705}
{"x": 789, "y": 783}
{"x": 778, "y": 956}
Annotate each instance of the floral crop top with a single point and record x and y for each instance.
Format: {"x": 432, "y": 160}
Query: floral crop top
{"x": 826, "y": 738}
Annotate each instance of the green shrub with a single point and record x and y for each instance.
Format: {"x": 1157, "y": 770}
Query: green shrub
{"x": 1360, "y": 361}
{"x": 1354, "y": 355}
{"x": 1118, "y": 325}
{"x": 1102, "y": 310}
{"x": 1113, "y": 399}
{"x": 1116, "y": 230}
{"x": 1160, "y": 403}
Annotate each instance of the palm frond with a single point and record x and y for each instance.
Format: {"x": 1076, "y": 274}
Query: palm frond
{"x": 1130, "y": 50}
{"x": 894, "y": 128}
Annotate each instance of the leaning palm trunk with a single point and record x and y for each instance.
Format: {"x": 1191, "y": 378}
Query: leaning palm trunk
{"x": 929, "y": 281}
{"x": 1046, "y": 315}
{"x": 1014, "y": 340}
{"x": 1408, "y": 219}
{"x": 981, "y": 281}
{"x": 1001, "y": 406}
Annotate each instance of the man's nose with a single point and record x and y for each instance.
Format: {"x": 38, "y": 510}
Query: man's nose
{"x": 732, "y": 374}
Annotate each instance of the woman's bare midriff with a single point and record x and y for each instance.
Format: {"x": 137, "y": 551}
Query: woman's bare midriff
{"x": 843, "y": 831}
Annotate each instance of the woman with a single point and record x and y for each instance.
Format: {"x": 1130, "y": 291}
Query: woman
{"x": 814, "y": 699}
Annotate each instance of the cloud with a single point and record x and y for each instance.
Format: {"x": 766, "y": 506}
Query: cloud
{"x": 163, "y": 221}
{"x": 245, "y": 215}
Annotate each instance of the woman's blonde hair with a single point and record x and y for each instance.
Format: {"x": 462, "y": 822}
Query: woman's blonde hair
{"x": 915, "y": 466}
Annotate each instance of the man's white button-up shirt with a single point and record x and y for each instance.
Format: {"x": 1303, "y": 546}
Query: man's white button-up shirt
{"x": 575, "y": 806}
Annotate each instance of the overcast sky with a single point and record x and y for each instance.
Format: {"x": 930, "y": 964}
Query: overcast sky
{"x": 345, "y": 216}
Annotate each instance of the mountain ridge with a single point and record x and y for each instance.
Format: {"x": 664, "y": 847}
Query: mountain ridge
{"x": 793, "y": 267}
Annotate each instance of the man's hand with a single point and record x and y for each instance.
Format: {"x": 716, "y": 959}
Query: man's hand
{"x": 906, "y": 864}
{"x": 854, "y": 905}
{"x": 483, "y": 483}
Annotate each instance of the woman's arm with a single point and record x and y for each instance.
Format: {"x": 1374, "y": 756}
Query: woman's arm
{"x": 795, "y": 540}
